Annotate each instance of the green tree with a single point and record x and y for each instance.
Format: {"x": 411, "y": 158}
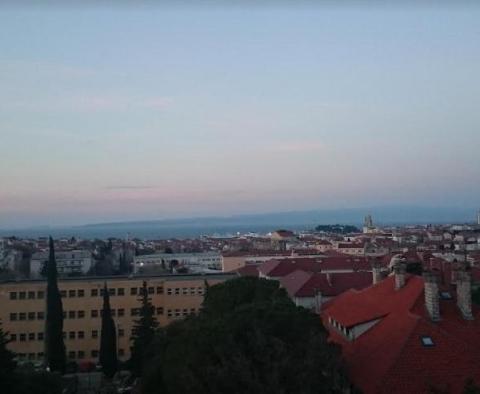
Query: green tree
{"x": 263, "y": 344}
{"x": 54, "y": 345}
{"x": 143, "y": 332}
{"x": 108, "y": 338}
{"x": 471, "y": 387}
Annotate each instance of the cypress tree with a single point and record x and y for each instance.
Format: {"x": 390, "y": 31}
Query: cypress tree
{"x": 7, "y": 363}
{"x": 108, "y": 339}
{"x": 54, "y": 345}
{"x": 143, "y": 332}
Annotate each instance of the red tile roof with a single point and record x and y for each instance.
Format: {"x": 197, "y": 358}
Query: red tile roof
{"x": 306, "y": 284}
{"x": 390, "y": 357}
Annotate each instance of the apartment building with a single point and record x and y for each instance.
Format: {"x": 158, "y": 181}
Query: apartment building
{"x": 69, "y": 262}
{"x": 23, "y": 310}
{"x": 195, "y": 262}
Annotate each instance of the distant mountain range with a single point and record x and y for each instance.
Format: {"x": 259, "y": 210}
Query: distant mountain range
{"x": 298, "y": 220}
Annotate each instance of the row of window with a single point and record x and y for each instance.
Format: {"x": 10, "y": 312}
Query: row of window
{"x": 29, "y": 295}
{"x": 31, "y": 336}
{"x": 39, "y": 336}
{"x": 27, "y": 316}
{"x": 94, "y": 313}
{"x": 80, "y": 354}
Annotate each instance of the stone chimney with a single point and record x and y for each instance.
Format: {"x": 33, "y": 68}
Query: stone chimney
{"x": 376, "y": 272}
{"x": 432, "y": 298}
{"x": 464, "y": 294}
{"x": 399, "y": 270}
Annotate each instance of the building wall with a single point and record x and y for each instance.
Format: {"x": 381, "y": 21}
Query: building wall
{"x": 198, "y": 261}
{"x": 24, "y": 306}
{"x": 74, "y": 261}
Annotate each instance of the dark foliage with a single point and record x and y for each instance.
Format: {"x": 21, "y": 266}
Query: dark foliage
{"x": 55, "y": 347}
{"x": 108, "y": 339}
{"x": 143, "y": 332}
{"x": 250, "y": 338}
{"x": 337, "y": 228}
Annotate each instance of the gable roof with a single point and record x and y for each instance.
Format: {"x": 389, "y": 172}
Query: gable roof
{"x": 390, "y": 356}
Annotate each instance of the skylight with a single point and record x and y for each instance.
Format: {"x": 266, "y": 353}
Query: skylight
{"x": 445, "y": 295}
{"x": 427, "y": 341}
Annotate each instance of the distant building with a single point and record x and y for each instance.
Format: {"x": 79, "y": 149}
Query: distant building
{"x": 194, "y": 262}
{"x": 69, "y": 262}
{"x": 368, "y": 226}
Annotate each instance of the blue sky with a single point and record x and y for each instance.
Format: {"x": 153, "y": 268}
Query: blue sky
{"x": 123, "y": 113}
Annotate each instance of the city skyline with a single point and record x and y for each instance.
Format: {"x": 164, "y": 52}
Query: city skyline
{"x": 129, "y": 114}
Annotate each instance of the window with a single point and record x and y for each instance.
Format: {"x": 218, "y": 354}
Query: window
{"x": 185, "y": 312}
{"x": 40, "y": 315}
{"x": 94, "y": 353}
{"x": 81, "y": 314}
{"x": 111, "y": 292}
{"x": 71, "y": 335}
{"x": 134, "y": 311}
{"x": 192, "y": 311}
{"x": 94, "y": 313}
{"x": 169, "y": 313}
{"x": 185, "y": 291}
{"x": 22, "y": 316}
{"x": 40, "y": 355}
{"x": 160, "y": 311}
{"x": 63, "y": 293}
{"x": 81, "y": 335}
{"x": 71, "y": 354}
{"x": 40, "y": 295}
{"x": 121, "y": 352}
{"x": 169, "y": 291}
{"x": 81, "y": 293}
{"x": 445, "y": 295}
{"x": 71, "y": 293}
{"x": 133, "y": 291}
{"x": 94, "y": 333}
{"x": 121, "y": 292}
{"x": 31, "y": 315}
{"x": 22, "y": 295}
{"x": 71, "y": 314}
{"x": 31, "y": 336}
{"x": 151, "y": 290}
{"x": 200, "y": 290}
{"x": 177, "y": 312}
{"x": 40, "y": 336}
{"x": 13, "y": 337}
{"x": 31, "y": 295}
{"x": 160, "y": 290}
{"x": 94, "y": 293}
{"x": 177, "y": 291}
{"x": 13, "y": 295}
{"x": 23, "y": 337}
{"x": 121, "y": 332}
{"x": 13, "y": 316}
{"x": 427, "y": 341}
{"x": 121, "y": 312}
{"x": 113, "y": 312}
{"x": 192, "y": 290}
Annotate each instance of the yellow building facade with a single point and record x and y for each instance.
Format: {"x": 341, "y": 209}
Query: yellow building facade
{"x": 23, "y": 310}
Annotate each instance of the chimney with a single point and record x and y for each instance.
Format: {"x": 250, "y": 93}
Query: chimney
{"x": 464, "y": 294}
{"x": 432, "y": 299}
{"x": 400, "y": 272}
{"x": 376, "y": 272}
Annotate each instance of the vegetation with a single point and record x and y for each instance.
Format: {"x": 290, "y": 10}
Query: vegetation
{"x": 249, "y": 338}
{"x": 143, "y": 332}
{"x": 108, "y": 340}
{"x": 55, "y": 347}
{"x": 337, "y": 228}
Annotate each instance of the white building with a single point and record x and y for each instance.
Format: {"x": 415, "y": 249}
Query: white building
{"x": 69, "y": 262}
{"x": 195, "y": 262}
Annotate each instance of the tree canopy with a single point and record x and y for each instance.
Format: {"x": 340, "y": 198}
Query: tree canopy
{"x": 250, "y": 338}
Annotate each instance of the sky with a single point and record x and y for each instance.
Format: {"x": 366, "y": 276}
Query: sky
{"x": 121, "y": 112}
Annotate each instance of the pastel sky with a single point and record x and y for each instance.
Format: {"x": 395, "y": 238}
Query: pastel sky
{"x": 122, "y": 112}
